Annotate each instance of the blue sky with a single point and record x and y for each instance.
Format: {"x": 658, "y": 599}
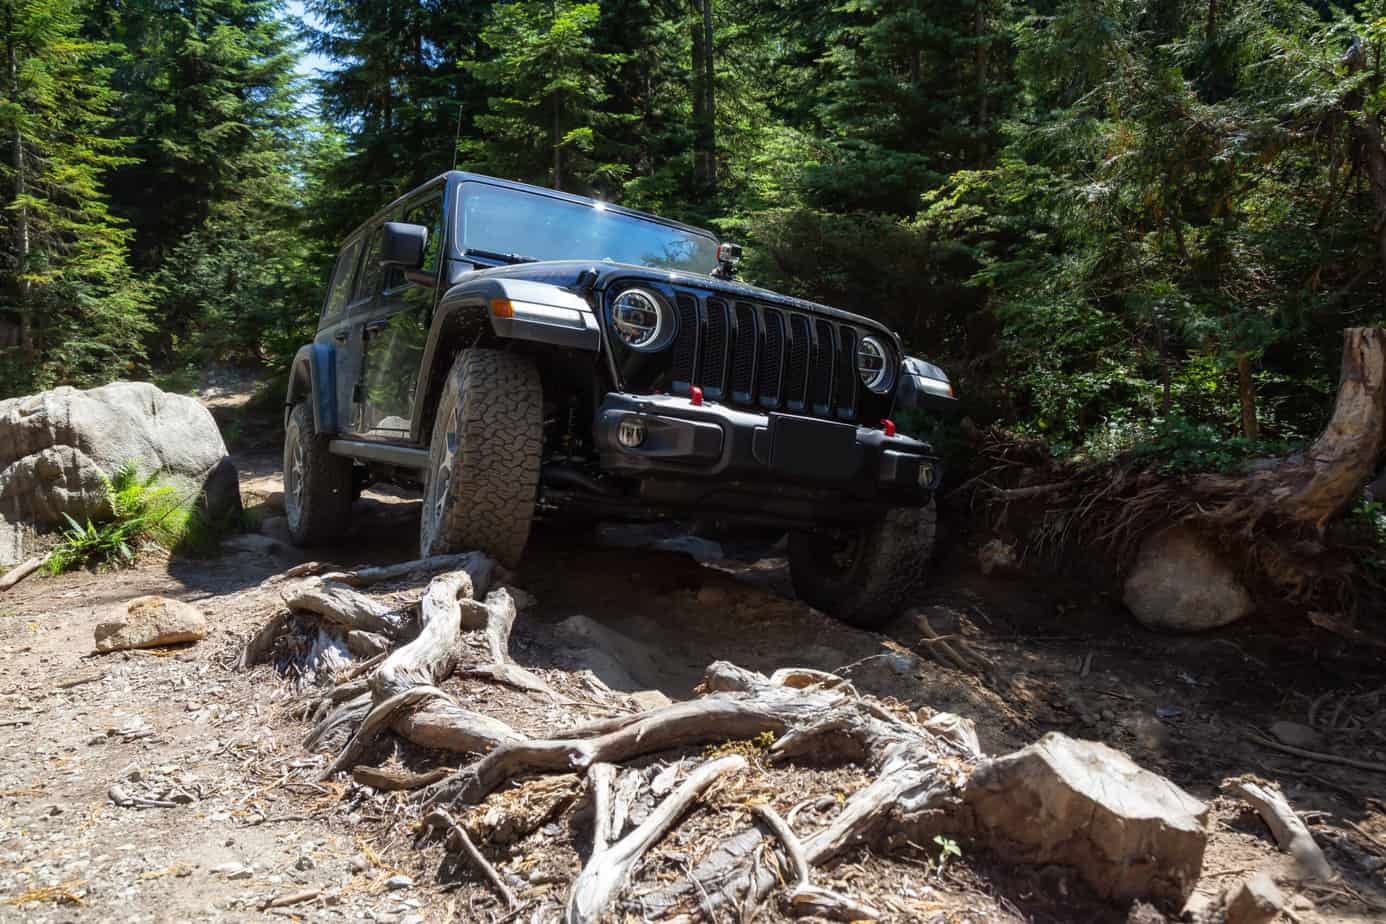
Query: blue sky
{"x": 308, "y": 63}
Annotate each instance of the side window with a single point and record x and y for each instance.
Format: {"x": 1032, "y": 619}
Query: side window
{"x": 368, "y": 281}
{"x": 339, "y": 291}
{"x": 429, "y": 213}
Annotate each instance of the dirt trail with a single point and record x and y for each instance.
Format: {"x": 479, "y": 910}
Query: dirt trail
{"x": 1063, "y": 658}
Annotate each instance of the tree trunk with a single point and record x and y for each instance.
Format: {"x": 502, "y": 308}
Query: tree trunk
{"x": 1313, "y": 486}
{"x": 1246, "y": 391}
{"x": 22, "y": 240}
{"x": 979, "y": 63}
{"x": 557, "y": 143}
{"x": 704, "y": 106}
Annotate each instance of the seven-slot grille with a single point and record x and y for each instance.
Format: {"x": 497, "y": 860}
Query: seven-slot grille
{"x": 756, "y": 355}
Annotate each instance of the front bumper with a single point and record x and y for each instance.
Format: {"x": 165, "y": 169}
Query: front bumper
{"x": 705, "y": 441}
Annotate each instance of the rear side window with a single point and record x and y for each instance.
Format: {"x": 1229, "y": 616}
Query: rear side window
{"x": 339, "y": 291}
{"x": 429, "y": 213}
{"x": 368, "y": 280}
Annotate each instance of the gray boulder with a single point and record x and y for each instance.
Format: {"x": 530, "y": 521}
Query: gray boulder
{"x": 1128, "y": 832}
{"x": 56, "y": 446}
{"x": 1179, "y": 583}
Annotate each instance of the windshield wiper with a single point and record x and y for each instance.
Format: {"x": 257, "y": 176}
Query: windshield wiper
{"x": 503, "y": 257}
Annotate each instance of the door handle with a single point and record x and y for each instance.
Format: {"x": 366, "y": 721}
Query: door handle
{"x": 342, "y": 336}
{"x": 375, "y": 327}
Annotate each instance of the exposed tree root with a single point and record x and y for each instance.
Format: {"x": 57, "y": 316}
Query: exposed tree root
{"x": 1289, "y": 830}
{"x": 610, "y": 865}
{"x": 919, "y": 772}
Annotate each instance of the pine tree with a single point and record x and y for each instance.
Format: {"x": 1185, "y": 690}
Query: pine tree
{"x": 71, "y": 307}
{"x": 548, "y": 84}
{"x": 397, "y": 92}
{"x": 207, "y": 92}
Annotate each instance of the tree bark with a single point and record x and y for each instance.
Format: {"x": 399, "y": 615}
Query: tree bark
{"x": 704, "y": 101}
{"x": 979, "y": 63}
{"x": 1246, "y": 392}
{"x": 22, "y": 241}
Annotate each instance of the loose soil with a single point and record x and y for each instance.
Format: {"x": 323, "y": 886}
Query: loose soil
{"x": 258, "y": 824}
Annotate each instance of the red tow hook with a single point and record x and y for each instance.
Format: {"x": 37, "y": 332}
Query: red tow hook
{"x": 888, "y": 426}
{"x": 695, "y": 396}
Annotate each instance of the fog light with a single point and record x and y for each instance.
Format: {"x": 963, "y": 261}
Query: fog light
{"x": 926, "y": 475}
{"x": 631, "y": 432}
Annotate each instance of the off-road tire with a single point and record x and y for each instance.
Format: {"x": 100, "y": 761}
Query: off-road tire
{"x": 888, "y": 563}
{"x": 317, "y": 484}
{"x": 483, "y": 462}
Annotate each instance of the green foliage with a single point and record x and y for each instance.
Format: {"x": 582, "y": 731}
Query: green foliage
{"x": 70, "y": 308}
{"x": 947, "y": 847}
{"x": 548, "y": 82}
{"x": 141, "y": 510}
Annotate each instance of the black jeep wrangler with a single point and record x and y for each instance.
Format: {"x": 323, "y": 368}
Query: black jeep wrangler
{"x": 515, "y": 350}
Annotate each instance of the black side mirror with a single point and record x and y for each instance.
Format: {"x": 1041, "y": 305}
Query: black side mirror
{"x": 403, "y": 247}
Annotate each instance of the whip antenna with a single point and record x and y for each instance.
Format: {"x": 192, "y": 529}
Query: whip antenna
{"x": 457, "y": 138}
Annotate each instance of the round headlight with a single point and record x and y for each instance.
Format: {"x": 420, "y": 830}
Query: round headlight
{"x": 874, "y": 366}
{"x": 642, "y": 320}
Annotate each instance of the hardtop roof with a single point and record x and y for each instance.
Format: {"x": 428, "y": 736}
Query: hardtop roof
{"x": 464, "y": 176}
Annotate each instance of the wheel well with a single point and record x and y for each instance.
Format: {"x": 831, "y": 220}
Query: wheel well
{"x": 300, "y": 386}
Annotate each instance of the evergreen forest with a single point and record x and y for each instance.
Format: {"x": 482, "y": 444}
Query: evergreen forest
{"x": 1121, "y": 225}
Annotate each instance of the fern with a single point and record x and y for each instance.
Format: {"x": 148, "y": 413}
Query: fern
{"x": 142, "y": 512}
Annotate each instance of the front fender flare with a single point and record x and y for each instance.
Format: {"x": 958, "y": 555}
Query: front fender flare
{"x": 314, "y": 374}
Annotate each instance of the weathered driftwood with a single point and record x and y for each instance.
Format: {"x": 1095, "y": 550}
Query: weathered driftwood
{"x": 1291, "y": 833}
{"x": 610, "y": 865}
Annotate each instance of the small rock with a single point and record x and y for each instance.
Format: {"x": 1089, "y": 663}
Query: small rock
{"x": 252, "y": 544}
{"x": 650, "y": 699}
{"x": 245, "y": 872}
{"x": 1254, "y": 901}
{"x": 1129, "y": 832}
{"x": 275, "y": 500}
{"x": 304, "y": 863}
{"x": 1180, "y": 583}
{"x": 54, "y": 810}
{"x": 182, "y": 798}
{"x": 359, "y": 863}
{"x": 1296, "y": 735}
{"x": 695, "y": 547}
{"x": 151, "y": 622}
{"x": 996, "y": 555}
{"x": 233, "y": 870}
{"x": 399, "y": 882}
{"x": 276, "y": 529}
{"x": 1143, "y": 913}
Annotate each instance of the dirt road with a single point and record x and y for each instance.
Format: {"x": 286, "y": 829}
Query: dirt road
{"x": 247, "y": 827}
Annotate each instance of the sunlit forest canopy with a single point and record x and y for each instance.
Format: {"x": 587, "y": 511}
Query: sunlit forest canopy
{"x": 1120, "y": 225}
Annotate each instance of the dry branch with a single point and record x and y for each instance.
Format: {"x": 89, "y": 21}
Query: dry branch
{"x": 607, "y": 870}
{"x": 456, "y": 835}
{"x": 1291, "y": 834}
{"x": 387, "y": 779}
{"x": 17, "y": 574}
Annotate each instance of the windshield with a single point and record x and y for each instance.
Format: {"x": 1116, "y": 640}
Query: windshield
{"x": 505, "y": 222}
